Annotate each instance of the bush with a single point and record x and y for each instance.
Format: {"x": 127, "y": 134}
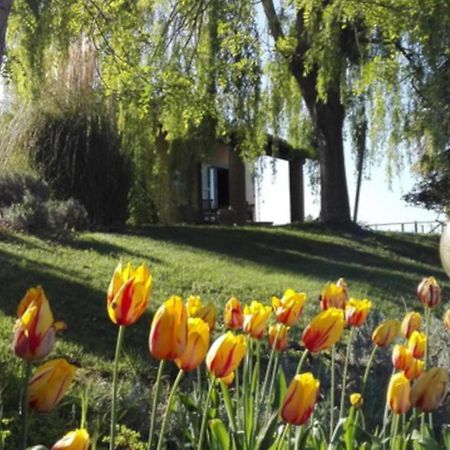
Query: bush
{"x": 67, "y": 214}
{"x": 14, "y": 187}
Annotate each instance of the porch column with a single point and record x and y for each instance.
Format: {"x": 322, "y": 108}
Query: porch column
{"x": 237, "y": 187}
{"x": 296, "y": 190}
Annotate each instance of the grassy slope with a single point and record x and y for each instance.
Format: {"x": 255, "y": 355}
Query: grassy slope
{"x": 251, "y": 263}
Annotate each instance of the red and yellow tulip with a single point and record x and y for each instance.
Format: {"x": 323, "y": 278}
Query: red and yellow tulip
{"x": 300, "y": 399}
{"x": 410, "y": 323}
{"x": 429, "y": 292}
{"x": 74, "y": 440}
{"x": 207, "y": 313}
{"x": 49, "y": 384}
{"x": 356, "y": 311}
{"x": 401, "y": 357}
{"x": 197, "y": 345}
{"x": 430, "y": 389}
{"x": 289, "y": 307}
{"x": 169, "y": 330}
{"x": 34, "y": 331}
{"x": 278, "y": 333}
{"x": 324, "y": 330}
{"x": 225, "y": 354}
{"x": 234, "y": 315}
{"x": 414, "y": 369}
{"x": 334, "y": 295}
{"x": 228, "y": 379}
{"x": 128, "y": 294}
{"x": 417, "y": 343}
{"x": 256, "y": 317}
{"x": 385, "y": 333}
{"x": 398, "y": 393}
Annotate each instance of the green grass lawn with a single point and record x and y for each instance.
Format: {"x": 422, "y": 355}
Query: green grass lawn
{"x": 213, "y": 262}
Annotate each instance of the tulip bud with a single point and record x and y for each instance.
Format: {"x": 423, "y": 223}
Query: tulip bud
{"x": 197, "y": 345}
{"x": 234, "y": 316}
{"x": 430, "y": 389}
{"x": 278, "y": 333}
{"x": 398, "y": 394}
{"x": 417, "y": 343}
{"x": 356, "y": 400}
{"x": 447, "y": 319}
{"x": 413, "y": 369}
{"x": 168, "y": 333}
{"x": 429, "y": 292}
{"x": 256, "y": 317}
{"x": 228, "y": 379}
{"x": 34, "y": 331}
{"x": 385, "y": 333}
{"x": 356, "y": 312}
{"x": 49, "y": 384}
{"x": 74, "y": 440}
{"x": 208, "y": 314}
{"x": 128, "y": 294}
{"x": 401, "y": 357}
{"x": 411, "y": 322}
{"x": 289, "y": 307}
{"x": 334, "y": 295}
{"x": 324, "y": 330}
{"x": 225, "y": 354}
{"x": 300, "y": 399}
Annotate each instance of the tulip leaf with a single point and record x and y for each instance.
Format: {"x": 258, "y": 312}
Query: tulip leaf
{"x": 280, "y": 390}
{"x": 266, "y": 436}
{"x": 220, "y": 436}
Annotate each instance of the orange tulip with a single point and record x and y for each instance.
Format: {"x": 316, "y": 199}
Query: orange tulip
{"x": 128, "y": 294}
{"x": 334, "y": 295}
{"x": 197, "y": 345}
{"x": 356, "y": 312}
{"x": 356, "y": 400}
{"x": 49, "y": 384}
{"x": 300, "y": 399}
{"x": 411, "y": 322}
{"x": 429, "y": 292}
{"x": 225, "y": 354}
{"x": 413, "y": 369}
{"x": 324, "y": 330}
{"x": 385, "y": 333}
{"x": 401, "y": 357}
{"x": 447, "y": 319}
{"x": 234, "y": 316}
{"x": 289, "y": 307}
{"x": 34, "y": 331}
{"x": 168, "y": 333}
{"x": 206, "y": 312}
{"x": 256, "y": 317}
{"x": 430, "y": 389}
{"x": 398, "y": 393}
{"x": 417, "y": 343}
{"x": 282, "y": 339}
{"x": 74, "y": 440}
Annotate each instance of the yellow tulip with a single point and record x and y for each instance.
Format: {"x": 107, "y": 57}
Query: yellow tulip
{"x": 128, "y": 294}
{"x": 410, "y": 323}
{"x": 413, "y": 369}
{"x": 256, "y": 317}
{"x": 282, "y": 339}
{"x": 225, "y": 354}
{"x": 197, "y": 345}
{"x": 334, "y": 295}
{"x": 417, "y": 343}
{"x": 168, "y": 333}
{"x": 356, "y": 311}
{"x": 228, "y": 379}
{"x": 356, "y": 400}
{"x": 401, "y": 357}
{"x": 289, "y": 307}
{"x": 234, "y": 316}
{"x": 324, "y": 330}
{"x": 74, "y": 440}
{"x": 49, "y": 384}
{"x": 34, "y": 331}
{"x": 430, "y": 389}
{"x": 447, "y": 319}
{"x": 300, "y": 399}
{"x": 429, "y": 292}
{"x": 207, "y": 312}
{"x": 385, "y": 333}
{"x": 398, "y": 394}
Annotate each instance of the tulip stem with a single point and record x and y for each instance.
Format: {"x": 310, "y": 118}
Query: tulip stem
{"x": 155, "y": 403}
{"x": 272, "y": 380}
{"x": 279, "y": 441}
{"x": 168, "y": 408}
{"x": 205, "y": 414}
{"x": 425, "y": 366}
{"x": 112, "y": 443}
{"x": 228, "y": 406}
{"x": 344, "y": 375}
{"x": 302, "y": 360}
{"x": 24, "y": 409}
{"x": 394, "y": 429}
{"x": 269, "y": 364}
{"x": 367, "y": 371}
{"x": 333, "y": 357}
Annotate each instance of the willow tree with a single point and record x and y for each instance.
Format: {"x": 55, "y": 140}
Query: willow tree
{"x": 5, "y": 8}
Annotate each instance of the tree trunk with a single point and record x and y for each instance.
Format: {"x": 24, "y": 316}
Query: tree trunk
{"x": 5, "y": 8}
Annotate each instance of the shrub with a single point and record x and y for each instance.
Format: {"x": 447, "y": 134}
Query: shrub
{"x": 67, "y": 214}
{"x": 14, "y": 186}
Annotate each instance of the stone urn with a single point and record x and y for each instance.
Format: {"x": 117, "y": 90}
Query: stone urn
{"x": 444, "y": 248}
